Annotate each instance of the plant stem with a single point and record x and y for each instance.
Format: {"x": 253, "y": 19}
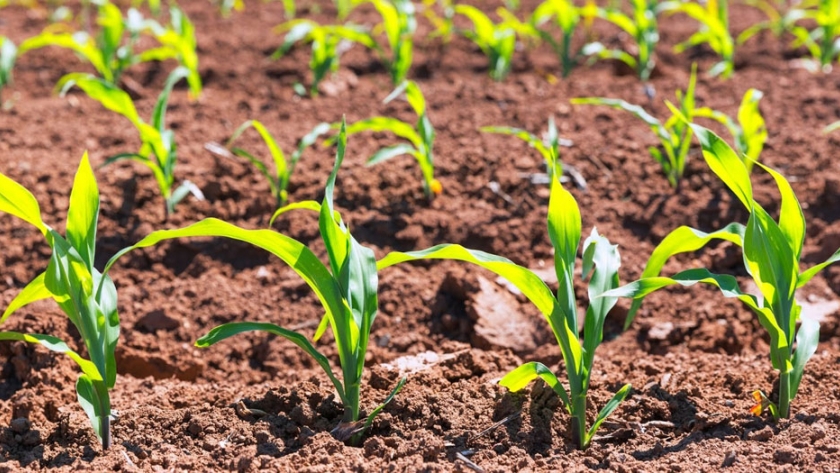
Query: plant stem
{"x": 784, "y": 395}
{"x": 105, "y": 429}
{"x": 579, "y": 419}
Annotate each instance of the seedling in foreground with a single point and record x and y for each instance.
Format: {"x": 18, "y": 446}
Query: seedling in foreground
{"x": 674, "y": 136}
{"x": 600, "y": 261}
{"x": 714, "y": 31}
{"x": 771, "y": 251}
{"x": 88, "y": 297}
{"x": 347, "y": 290}
{"x": 278, "y": 182}
{"x": 158, "y": 151}
{"x": 496, "y": 40}
{"x": 326, "y": 41}
{"x": 420, "y": 137}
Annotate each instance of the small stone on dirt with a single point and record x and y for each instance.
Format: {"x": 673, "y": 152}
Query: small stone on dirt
{"x": 20, "y": 425}
{"x": 762, "y": 435}
{"x": 158, "y": 320}
{"x": 785, "y": 455}
{"x": 499, "y": 322}
{"x": 730, "y": 458}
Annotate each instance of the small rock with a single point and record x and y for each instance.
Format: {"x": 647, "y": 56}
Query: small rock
{"x": 762, "y": 435}
{"x": 194, "y": 428}
{"x": 20, "y": 425}
{"x": 785, "y": 455}
{"x": 158, "y": 320}
{"x": 209, "y": 444}
{"x": 817, "y": 432}
{"x": 729, "y": 459}
{"x": 660, "y": 331}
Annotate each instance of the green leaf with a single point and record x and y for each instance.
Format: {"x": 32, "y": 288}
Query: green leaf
{"x": 96, "y": 403}
{"x": 791, "y": 219}
{"x": 56, "y": 345}
{"x": 637, "y": 111}
{"x": 807, "y": 340}
{"x": 808, "y": 274}
{"x": 83, "y": 213}
{"x": 524, "y": 374}
{"x": 110, "y": 96}
{"x": 387, "y": 400}
{"x": 17, "y": 201}
{"x": 305, "y": 205}
{"x": 607, "y": 410}
{"x": 380, "y": 124}
{"x": 159, "y": 114}
{"x": 564, "y": 233}
{"x": 228, "y": 330}
{"x": 389, "y": 152}
{"x": 726, "y": 164}
{"x": 603, "y": 256}
{"x": 682, "y": 240}
{"x": 34, "y": 291}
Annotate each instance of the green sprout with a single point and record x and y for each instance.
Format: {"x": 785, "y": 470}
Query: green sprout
{"x": 325, "y": 40}
{"x": 158, "y": 151}
{"x": 496, "y": 40}
{"x": 278, "y": 181}
{"x": 714, "y": 31}
{"x": 567, "y": 17}
{"x": 8, "y": 54}
{"x": 112, "y": 51}
{"x": 560, "y": 310}
{"x": 750, "y": 131}
{"x": 823, "y": 41}
{"x": 548, "y": 146}
{"x": 771, "y": 250}
{"x": 674, "y": 136}
{"x": 86, "y": 296}
{"x": 442, "y": 26}
{"x": 399, "y": 24}
{"x": 347, "y": 289}
{"x": 642, "y": 27}
{"x": 420, "y": 136}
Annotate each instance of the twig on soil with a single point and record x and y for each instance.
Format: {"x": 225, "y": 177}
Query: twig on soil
{"x": 497, "y": 424}
{"x": 469, "y": 464}
{"x": 128, "y": 459}
{"x": 243, "y": 411}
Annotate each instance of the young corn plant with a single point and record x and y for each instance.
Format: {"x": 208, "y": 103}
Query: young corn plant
{"x": 442, "y": 26}
{"x": 347, "y": 289}
{"x": 642, "y": 27}
{"x": 823, "y": 40}
{"x": 714, "y": 31}
{"x": 496, "y": 40}
{"x": 749, "y": 131}
{"x": 771, "y": 251}
{"x": 778, "y": 21}
{"x": 548, "y": 146}
{"x": 158, "y": 151}
{"x": 112, "y": 51}
{"x": 600, "y": 263}
{"x": 278, "y": 181}
{"x": 420, "y": 136}
{"x": 567, "y": 17}
{"x": 399, "y": 24}
{"x": 86, "y": 296}
{"x": 674, "y": 135}
{"x": 328, "y": 43}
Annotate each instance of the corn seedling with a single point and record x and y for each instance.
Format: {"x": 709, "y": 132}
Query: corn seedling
{"x": 496, "y": 40}
{"x": 399, "y": 24}
{"x": 771, "y": 252}
{"x": 158, "y": 151}
{"x": 548, "y": 145}
{"x": 714, "y": 31}
{"x": 823, "y": 41}
{"x": 674, "y": 135}
{"x": 641, "y": 26}
{"x": 420, "y": 137}
{"x": 567, "y": 17}
{"x": 112, "y": 51}
{"x": 600, "y": 262}
{"x": 328, "y": 43}
{"x": 778, "y": 21}
{"x": 347, "y": 290}
{"x": 750, "y": 131}
{"x": 87, "y": 297}
{"x": 8, "y": 55}
{"x": 442, "y": 26}
{"x": 278, "y": 181}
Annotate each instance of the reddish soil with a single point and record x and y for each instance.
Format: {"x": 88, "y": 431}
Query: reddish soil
{"x": 692, "y": 357}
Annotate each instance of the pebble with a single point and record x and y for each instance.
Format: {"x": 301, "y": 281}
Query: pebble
{"x": 20, "y": 425}
{"x": 785, "y": 455}
{"x": 762, "y": 435}
{"x": 730, "y": 458}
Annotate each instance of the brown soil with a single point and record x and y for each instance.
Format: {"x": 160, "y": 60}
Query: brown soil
{"x": 692, "y": 357}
